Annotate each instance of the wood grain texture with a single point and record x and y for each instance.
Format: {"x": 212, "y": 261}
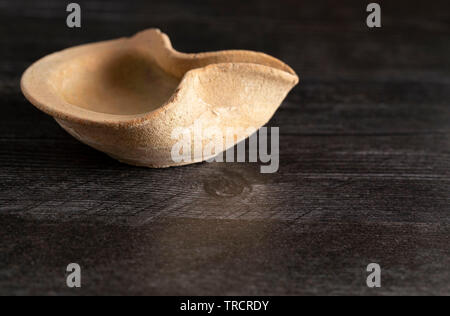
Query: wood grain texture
{"x": 364, "y": 161}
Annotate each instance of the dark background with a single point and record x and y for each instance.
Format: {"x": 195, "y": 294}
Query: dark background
{"x": 364, "y": 172}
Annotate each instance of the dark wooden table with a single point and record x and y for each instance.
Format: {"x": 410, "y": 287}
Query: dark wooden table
{"x": 364, "y": 172}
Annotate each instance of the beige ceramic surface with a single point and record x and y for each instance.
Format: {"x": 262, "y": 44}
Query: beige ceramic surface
{"x": 125, "y": 97}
